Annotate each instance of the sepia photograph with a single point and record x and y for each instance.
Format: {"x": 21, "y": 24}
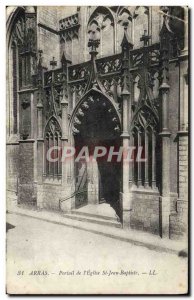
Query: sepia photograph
{"x": 97, "y": 150}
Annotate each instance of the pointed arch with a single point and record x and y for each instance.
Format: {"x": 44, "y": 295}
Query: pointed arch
{"x": 52, "y": 119}
{"x": 102, "y": 24}
{"x": 52, "y": 138}
{"x": 18, "y": 36}
{"x": 123, "y": 15}
{"x": 141, "y": 23}
{"x": 14, "y": 14}
{"x": 83, "y": 105}
{"x": 14, "y": 38}
{"x": 90, "y": 93}
{"x": 101, "y": 10}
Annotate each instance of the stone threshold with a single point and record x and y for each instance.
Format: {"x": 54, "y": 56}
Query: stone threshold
{"x": 137, "y": 238}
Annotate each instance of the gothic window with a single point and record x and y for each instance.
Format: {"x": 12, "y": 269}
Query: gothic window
{"x": 52, "y": 138}
{"x": 141, "y": 23}
{"x": 14, "y": 69}
{"x": 21, "y": 40}
{"x": 155, "y": 26}
{"x": 144, "y": 133}
{"x": 101, "y": 26}
{"x": 123, "y": 16}
{"x": 69, "y": 36}
{"x": 14, "y": 86}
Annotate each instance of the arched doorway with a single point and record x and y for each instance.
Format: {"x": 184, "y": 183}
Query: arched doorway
{"x": 97, "y": 180}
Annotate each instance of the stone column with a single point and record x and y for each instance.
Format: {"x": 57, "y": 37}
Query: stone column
{"x": 93, "y": 181}
{"x": 126, "y": 119}
{"x": 139, "y": 163}
{"x": 125, "y": 174}
{"x": 40, "y": 134}
{"x": 66, "y": 205}
{"x": 153, "y": 160}
{"x": 40, "y": 155}
{"x": 65, "y": 139}
{"x": 146, "y": 183}
{"x": 165, "y": 37}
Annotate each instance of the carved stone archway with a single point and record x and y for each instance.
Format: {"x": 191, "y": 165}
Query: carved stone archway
{"x": 95, "y": 122}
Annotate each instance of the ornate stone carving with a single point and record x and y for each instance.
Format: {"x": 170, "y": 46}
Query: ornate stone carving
{"x": 58, "y": 94}
{"x": 77, "y": 121}
{"x": 19, "y": 30}
{"x": 69, "y": 28}
{"x": 98, "y": 21}
{"x": 145, "y": 106}
{"x": 94, "y": 100}
{"x": 53, "y": 127}
{"x": 80, "y": 71}
{"x": 47, "y": 78}
{"x": 25, "y": 116}
{"x": 85, "y": 105}
{"x": 109, "y": 65}
{"x": 75, "y": 131}
{"x": 80, "y": 112}
{"x": 25, "y": 103}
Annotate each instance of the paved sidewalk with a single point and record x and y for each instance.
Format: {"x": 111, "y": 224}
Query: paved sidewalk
{"x": 134, "y": 237}
{"x": 61, "y": 251}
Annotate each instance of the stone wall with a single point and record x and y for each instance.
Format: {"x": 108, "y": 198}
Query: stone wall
{"x": 26, "y": 187}
{"x": 179, "y": 220}
{"x": 48, "y": 40}
{"x": 145, "y": 211}
{"x": 12, "y": 167}
{"x": 173, "y": 124}
{"x": 183, "y": 167}
{"x": 49, "y": 195}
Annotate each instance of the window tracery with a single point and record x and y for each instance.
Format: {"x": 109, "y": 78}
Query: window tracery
{"x": 52, "y": 138}
{"x": 101, "y": 24}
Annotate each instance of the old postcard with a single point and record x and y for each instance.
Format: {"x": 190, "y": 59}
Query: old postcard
{"x": 97, "y": 150}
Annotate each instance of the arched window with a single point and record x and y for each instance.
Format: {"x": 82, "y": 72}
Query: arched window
{"x": 15, "y": 38}
{"x": 15, "y": 86}
{"x": 141, "y": 23}
{"x": 21, "y": 45}
{"x": 144, "y": 132}
{"x": 123, "y": 16}
{"x": 101, "y": 24}
{"x": 52, "y": 138}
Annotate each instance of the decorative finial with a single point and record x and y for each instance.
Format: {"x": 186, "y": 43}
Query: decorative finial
{"x": 64, "y": 61}
{"x": 53, "y": 63}
{"x": 126, "y": 42}
{"x": 40, "y": 57}
{"x": 93, "y": 45}
{"x": 125, "y": 24}
{"x": 38, "y": 76}
{"x": 165, "y": 10}
{"x": 145, "y": 38}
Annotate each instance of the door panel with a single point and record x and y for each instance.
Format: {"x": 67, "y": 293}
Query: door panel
{"x": 81, "y": 194}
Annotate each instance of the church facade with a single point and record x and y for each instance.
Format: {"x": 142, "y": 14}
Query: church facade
{"x": 106, "y": 77}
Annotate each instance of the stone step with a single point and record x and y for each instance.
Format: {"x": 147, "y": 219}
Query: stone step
{"x": 90, "y": 218}
{"x": 93, "y": 215}
{"x": 132, "y": 236}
